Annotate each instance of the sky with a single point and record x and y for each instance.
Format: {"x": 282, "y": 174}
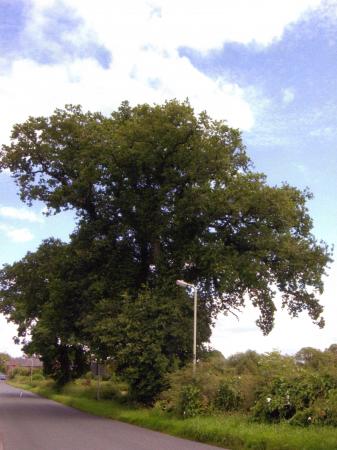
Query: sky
{"x": 267, "y": 67}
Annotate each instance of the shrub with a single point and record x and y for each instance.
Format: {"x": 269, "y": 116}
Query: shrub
{"x": 279, "y": 390}
{"x": 329, "y": 417}
{"x": 302, "y": 418}
{"x": 89, "y": 375}
{"x": 113, "y": 390}
{"x": 190, "y": 402}
{"x": 324, "y": 410}
{"x": 218, "y": 388}
{"x": 206, "y": 381}
{"x": 19, "y": 371}
{"x": 228, "y": 397}
{"x": 248, "y": 385}
{"x": 283, "y": 398}
{"x": 244, "y": 363}
{"x": 37, "y": 377}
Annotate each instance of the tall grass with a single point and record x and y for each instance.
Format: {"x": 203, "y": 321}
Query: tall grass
{"x": 236, "y": 432}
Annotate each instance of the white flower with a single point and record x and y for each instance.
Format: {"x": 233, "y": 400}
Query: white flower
{"x": 268, "y": 399}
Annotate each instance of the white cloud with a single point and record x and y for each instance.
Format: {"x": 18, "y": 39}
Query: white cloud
{"x": 289, "y": 335}
{"x": 201, "y": 25}
{"x": 144, "y": 38}
{"x": 20, "y": 214}
{"x": 288, "y": 96}
{"x": 322, "y": 132}
{"x": 8, "y": 331}
{"x": 301, "y": 168}
{"x": 17, "y": 235}
{"x": 27, "y": 89}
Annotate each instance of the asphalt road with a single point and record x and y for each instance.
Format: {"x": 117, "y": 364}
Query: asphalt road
{"x": 29, "y": 422}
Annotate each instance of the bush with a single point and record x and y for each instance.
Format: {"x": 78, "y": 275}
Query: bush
{"x": 37, "y": 377}
{"x": 324, "y": 410}
{"x": 19, "y": 371}
{"x": 206, "y": 381}
{"x": 244, "y": 363}
{"x": 113, "y": 390}
{"x": 217, "y": 390}
{"x": 327, "y": 412}
{"x": 248, "y": 386}
{"x": 228, "y": 397}
{"x": 190, "y": 402}
{"x": 283, "y": 398}
{"x": 302, "y": 418}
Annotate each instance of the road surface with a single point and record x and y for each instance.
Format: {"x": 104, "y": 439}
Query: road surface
{"x": 29, "y": 422}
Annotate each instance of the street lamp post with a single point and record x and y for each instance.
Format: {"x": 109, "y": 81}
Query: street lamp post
{"x": 31, "y": 370}
{"x": 183, "y": 283}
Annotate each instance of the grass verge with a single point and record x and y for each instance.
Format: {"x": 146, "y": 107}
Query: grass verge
{"x": 234, "y": 431}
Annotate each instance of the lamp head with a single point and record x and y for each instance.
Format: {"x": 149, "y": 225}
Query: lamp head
{"x": 183, "y": 283}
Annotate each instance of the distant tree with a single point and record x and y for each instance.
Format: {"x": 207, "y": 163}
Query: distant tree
{"x": 4, "y": 358}
{"x": 246, "y": 362}
{"x": 314, "y": 358}
{"x": 274, "y": 364}
{"x": 161, "y": 194}
{"x": 331, "y": 355}
{"x": 332, "y": 349}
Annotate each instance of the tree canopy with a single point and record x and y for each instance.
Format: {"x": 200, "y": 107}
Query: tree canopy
{"x": 4, "y": 358}
{"x": 160, "y": 193}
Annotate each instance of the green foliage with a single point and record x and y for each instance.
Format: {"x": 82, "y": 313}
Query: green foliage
{"x": 4, "y": 358}
{"x": 37, "y": 377}
{"x": 302, "y": 418}
{"x": 190, "y": 401}
{"x": 212, "y": 388}
{"x": 276, "y": 388}
{"x": 325, "y": 409}
{"x": 243, "y": 363}
{"x": 88, "y": 376}
{"x": 230, "y": 431}
{"x": 273, "y": 364}
{"x": 160, "y": 194}
{"x": 228, "y": 397}
{"x": 283, "y": 397}
{"x": 41, "y": 293}
{"x": 24, "y": 375}
{"x": 314, "y": 358}
{"x": 322, "y": 412}
{"x": 19, "y": 371}
{"x": 108, "y": 390}
{"x": 148, "y": 339}
{"x": 209, "y": 374}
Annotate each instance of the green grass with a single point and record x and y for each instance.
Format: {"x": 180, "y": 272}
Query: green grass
{"x": 235, "y": 432}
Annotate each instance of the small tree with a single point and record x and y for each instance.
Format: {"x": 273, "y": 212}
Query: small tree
{"x": 4, "y": 358}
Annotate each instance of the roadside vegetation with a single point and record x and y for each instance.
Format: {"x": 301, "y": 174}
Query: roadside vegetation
{"x": 160, "y": 194}
{"x": 4, "y": 358}
{"x": 247, "y": 401}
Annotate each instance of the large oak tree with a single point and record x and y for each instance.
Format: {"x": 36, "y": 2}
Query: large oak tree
{"x": 161, "y": 193}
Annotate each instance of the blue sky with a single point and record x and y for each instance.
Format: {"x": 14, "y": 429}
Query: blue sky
{"x": 51, "y": 44}
{"x": 270, "y": 71}
{"x": 294, "y": 136}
